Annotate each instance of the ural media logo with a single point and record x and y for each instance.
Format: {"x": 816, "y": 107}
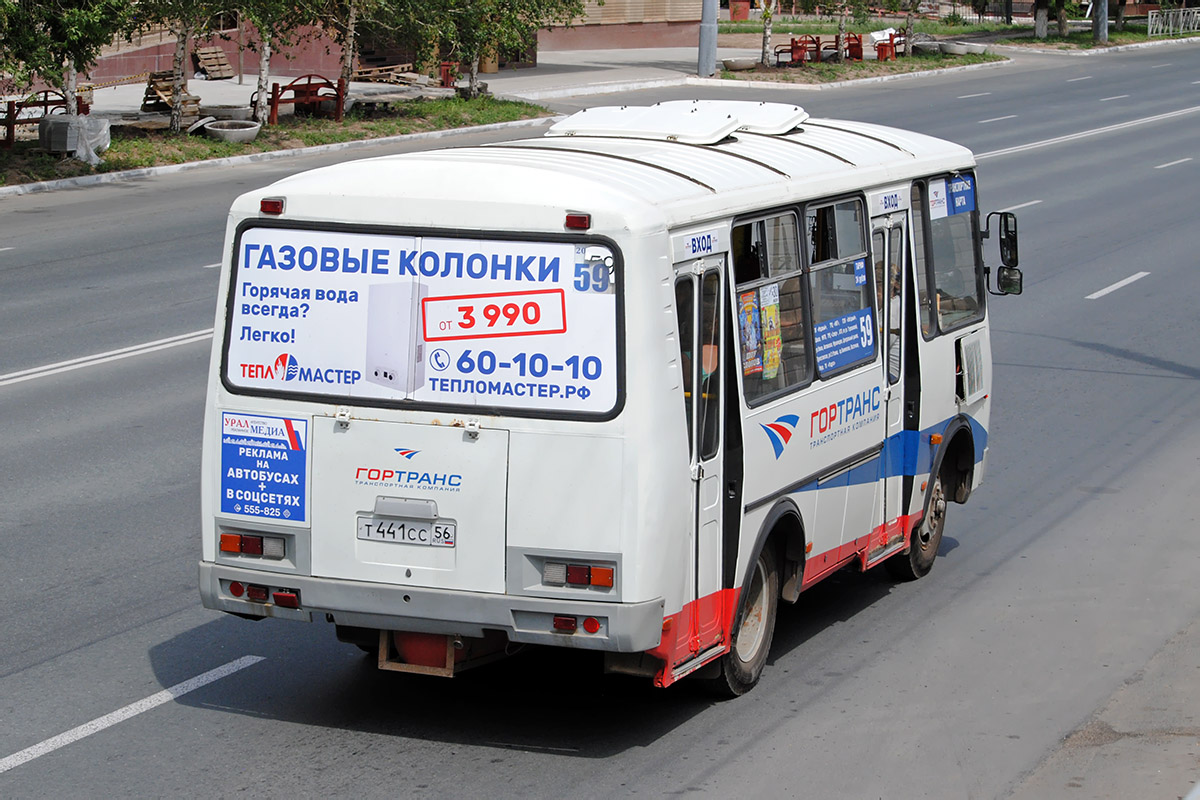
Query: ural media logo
{"x": 780, "y": 432}
{"x": 407, "y": 453}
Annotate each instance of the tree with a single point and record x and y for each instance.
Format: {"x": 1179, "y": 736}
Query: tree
{"x": 768, "y": 12}
{"x": 1041, "y": 19}
{"x": 185, "y": 19}
{"x": 278, "y": 23}
{"x": 56, "y": 40}
{"x": 465, "y": 29}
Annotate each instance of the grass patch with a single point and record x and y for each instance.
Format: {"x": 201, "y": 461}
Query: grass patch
{"x": 828, "y": 72}
{"x": 137, "y": 149}
{"x": 1081, "y": 39}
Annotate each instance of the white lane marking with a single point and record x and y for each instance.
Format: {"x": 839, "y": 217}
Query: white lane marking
{"x": 997, "y": 119}
{"x": 103, "y": 358}
{"x": 1070, "y": 137}
{"x": 122, "y": 714}
{"x": 1114, "y": 97}
{"x": 2, "y": 249}
{"x": 1173, "y": 163}
{"x": 969, "y": 96}
{"x": 1022, "y": 205}
{"x": 1160, "y": 66}
{"x": 214, "y": 266}
{"x": 1084, "y": 78}
{"x": 1137, "y": 276}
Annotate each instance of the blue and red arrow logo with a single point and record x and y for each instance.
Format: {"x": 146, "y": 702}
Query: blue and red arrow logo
{"x": 780, "y": 432}
{"x": 406, "y": 453}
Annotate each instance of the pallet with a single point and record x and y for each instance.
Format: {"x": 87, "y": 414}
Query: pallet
{"x": 393, "y": 73}
{"x": 213, "y": 62}
{"x": 158, "y": 96}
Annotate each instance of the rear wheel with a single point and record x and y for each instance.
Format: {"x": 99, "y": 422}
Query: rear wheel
{"x": 926, "y": 539}
{"x": 754, "y": 627}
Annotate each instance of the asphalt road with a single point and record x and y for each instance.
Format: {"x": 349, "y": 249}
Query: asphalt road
{"x": 1056, "y": 586}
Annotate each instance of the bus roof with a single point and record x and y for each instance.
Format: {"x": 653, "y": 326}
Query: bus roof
{"x": 668, "y": 164}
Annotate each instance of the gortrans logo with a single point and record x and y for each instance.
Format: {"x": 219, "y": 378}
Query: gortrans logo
{"x": 406, "y": 452}
{"x": 402, "y": 477}
{"x": 780, "y": 432}
{"x": 287, "y": 368}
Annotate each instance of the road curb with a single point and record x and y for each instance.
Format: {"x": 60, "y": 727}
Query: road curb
{"x": 134, "y": 174}
{"x": 1045, "y": 51}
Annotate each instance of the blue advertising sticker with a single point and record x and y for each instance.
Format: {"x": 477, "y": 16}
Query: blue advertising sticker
{"x": 962, "y": 194}
{"x": 860, "y": 272}
{"x": 844, "y": 340}
{"x": 264, "y": 466}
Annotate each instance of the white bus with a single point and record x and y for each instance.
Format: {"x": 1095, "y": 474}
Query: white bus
{"x": 624, "y": 387}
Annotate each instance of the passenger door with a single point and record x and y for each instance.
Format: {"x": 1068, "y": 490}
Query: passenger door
{"x": 889, "y": 247}
{"x": 701, "y": 308}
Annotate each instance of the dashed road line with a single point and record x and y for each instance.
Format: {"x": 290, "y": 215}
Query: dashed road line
{"x": 1118, "y": 285}
{"x": 1173, "y": 163}
{"x": 122, "y": 714}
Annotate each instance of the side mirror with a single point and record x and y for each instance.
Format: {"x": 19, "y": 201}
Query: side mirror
{"x": 1008, "y": 245}
{"x": 1008, "y": 279}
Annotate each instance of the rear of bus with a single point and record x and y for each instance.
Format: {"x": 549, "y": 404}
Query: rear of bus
{"x": 421, "y": 419}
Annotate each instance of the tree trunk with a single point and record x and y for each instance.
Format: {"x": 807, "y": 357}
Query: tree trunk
{"x": 766, "y": 37}
{"x": 178, "y": 83}
{"x": 908, "y": 27}
{"x": 69, "y": 78}
{"x": 841, "y": 35}
{"x": 349, "y": 50}
{"x": 1120, "y": 25}
{"x": 264, "y": 69}
{"x": 1060, "y": 14}
{"x": 1040, "y": 19}
{"x": 473, "y": 78}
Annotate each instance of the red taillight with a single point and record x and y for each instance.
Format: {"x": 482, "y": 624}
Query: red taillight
{"x": 271, "y": 205}
{"x": 252, "y": 545}
{"x": 564, "y": 623}
{"x": 286, "y": 599}
{"x": 578, "y": 222}
{"x": 591, "y": 625}
{"x": 258, "y": 594}
{"x": 579, "y": 574}
{"x": 236, "y": 588}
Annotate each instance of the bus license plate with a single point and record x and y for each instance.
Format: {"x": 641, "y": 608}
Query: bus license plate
{"x": 407, "y": 531}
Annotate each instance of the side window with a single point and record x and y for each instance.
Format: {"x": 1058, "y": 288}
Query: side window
{"x": 947, "y": 253}
{"x": 772, "y": 328}
{"x": 840, "y": 287}
{"x": 924, "y": 301}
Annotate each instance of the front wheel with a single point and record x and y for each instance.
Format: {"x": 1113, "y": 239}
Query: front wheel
{"x": 754, "y": 628}
{"x": 926, "y": 539}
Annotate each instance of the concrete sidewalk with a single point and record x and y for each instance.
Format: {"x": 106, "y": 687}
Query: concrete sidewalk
{"x": 557, "y": 74}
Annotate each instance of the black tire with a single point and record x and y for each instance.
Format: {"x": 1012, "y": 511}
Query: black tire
{"x": 753, "y": 629}
{"x": 926, "y": 539}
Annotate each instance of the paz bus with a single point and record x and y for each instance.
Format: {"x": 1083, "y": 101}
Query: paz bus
{"x": 623, "y": 387}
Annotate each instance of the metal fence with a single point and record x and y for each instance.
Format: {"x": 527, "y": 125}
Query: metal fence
{"x": 1174, "y": 22}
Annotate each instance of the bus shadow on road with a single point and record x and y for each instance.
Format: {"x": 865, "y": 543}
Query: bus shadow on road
{"x": 539, "y": 700}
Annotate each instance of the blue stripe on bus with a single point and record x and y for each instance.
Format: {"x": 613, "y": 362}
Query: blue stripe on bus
{"x": 903, "y": 454}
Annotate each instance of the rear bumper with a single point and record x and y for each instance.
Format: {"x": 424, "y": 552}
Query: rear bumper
{"x": 624, "y": 627}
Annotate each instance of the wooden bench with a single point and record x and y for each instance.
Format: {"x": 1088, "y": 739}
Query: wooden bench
{"x": 42, "y": 104}
{"x": 306, "y": 93}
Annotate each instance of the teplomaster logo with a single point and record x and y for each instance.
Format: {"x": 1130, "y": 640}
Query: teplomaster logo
{"x": 285, "y": 368}
{"x": 406, "y": 452}
{"x": 288, "y": 368}
{"x": 780, "y": 432}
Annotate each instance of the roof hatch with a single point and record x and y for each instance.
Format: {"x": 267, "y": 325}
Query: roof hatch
{"x": 687, "y": 121}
